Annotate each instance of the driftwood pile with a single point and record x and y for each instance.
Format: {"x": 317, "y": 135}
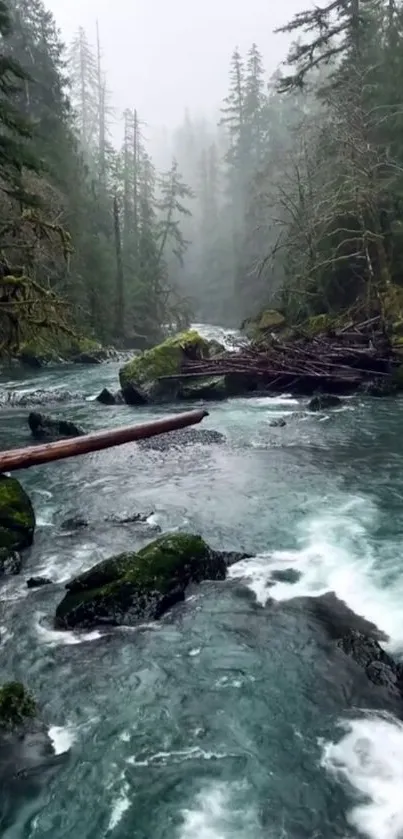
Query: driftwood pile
{"x": 339, "y": 361}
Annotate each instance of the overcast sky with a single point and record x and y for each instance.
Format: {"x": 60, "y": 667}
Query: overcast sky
{"x": 163, "y": 55}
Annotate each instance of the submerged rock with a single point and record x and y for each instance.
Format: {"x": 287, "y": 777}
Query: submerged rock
{"x": 277, "y": 423}
{"x": 38, "y": 582}
{"x": 135, "y": 587}
{"x": 324, "y": 402}
{"x": 43, "y": 426}
{"x": 74, "y": 523}
{"x": 183, "y": 437}
{"x": 286, "y": 575}
{"x": 10, "y": 562}
{"x": 106, "y": 397}
{"x": 140, "y": 378}
{"x": 17, "y": 517}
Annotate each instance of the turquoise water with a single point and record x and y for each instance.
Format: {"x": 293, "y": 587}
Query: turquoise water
{"x": 234, "y": 717}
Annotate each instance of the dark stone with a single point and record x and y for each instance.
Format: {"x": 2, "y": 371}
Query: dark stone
{"x": 286, "y": 575}
{"x": 134, "y": 395}
{"x": 38, "y": 582}
{"x": 74, "y": 523}
{"x": 278, "y": 423}
{"x": 43, "y": 426}
{"x": 10, "y": 562}
{"x": 183, "y": 437}
{"x": 106, "y": 397}
{"x": 128, "y": 518}
{"x": 324, "y": 402}
{"x": 132, "y": 588}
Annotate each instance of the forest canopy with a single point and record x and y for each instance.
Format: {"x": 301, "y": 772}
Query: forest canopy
{"x": 291, "y": 197}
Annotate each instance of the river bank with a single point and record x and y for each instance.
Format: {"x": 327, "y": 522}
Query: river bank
{"x": 223, "y": 718}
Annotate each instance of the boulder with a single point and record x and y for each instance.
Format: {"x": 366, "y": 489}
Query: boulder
{"x": 43, "y": 426}
{"x": 267, "y": 321}
{"x": 324, "y": 402}
{"x": 277, "y": 423}
{"x": 106, "y": 397}
{"x": 17, "y": 517}
{"x": 38, "y": 582}
{"x": 139, "y": 379}
{"x": 134, "y": 587}
{"x": 75, "y": 522}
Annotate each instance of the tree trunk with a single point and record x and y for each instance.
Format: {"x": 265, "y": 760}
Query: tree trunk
{"x": 37, "y": 455}
{"x": 120, "y": 297}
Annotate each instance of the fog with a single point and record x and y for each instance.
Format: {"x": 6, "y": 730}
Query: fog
{"x": 160, "y": 57}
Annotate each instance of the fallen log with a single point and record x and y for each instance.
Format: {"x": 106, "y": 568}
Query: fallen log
{"x": 47, "y": 453}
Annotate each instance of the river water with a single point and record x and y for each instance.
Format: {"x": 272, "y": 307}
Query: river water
{"x": 230, "y": 718}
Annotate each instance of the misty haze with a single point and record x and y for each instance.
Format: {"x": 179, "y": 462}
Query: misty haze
{"x": 201, "y": 456}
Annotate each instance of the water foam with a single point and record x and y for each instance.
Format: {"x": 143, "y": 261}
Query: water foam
{"x": 62, "y": 737}
{"x": 369, "y": 757}
{"x": 55, "y": 637}
{"x": 335, "y": 553}
{"x": 120, "y": 805}
{"x": 218, "y": 814}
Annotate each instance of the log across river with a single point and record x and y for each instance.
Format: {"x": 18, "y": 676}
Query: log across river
{"x": 36, "y": 455}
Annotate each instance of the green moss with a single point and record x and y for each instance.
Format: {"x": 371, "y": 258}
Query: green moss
{"x": 16, "y": 705}
{"x": 51, "y": 348}
{"x": 153, "y": 567}
{"x": 162, "y": 566}
{"x": 163, "y": 360}
{"x": 271, "y": 319}
{"x": 17, "y": 517}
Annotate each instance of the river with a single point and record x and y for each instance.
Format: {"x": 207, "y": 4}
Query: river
{"x": 229, "y": 718}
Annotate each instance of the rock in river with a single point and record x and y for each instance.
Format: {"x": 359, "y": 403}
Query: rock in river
{"x": 324, "y": 401}
{"x": 135, "y": 587}
{"x": 17, "y": 517}
{"x": 140, "y": 378}
{"x": 43, "y": 426}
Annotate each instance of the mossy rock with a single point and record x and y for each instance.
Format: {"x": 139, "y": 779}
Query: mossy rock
{"x": 17, "y": 705}
{"x": 134, "y": 587}
{"x": 139, "y": 379}
{"x": 268, "y": 320}
{"x": 271, "y": 319}
{"x": 53, "y": 349}
{"x": 17, "y": 517}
